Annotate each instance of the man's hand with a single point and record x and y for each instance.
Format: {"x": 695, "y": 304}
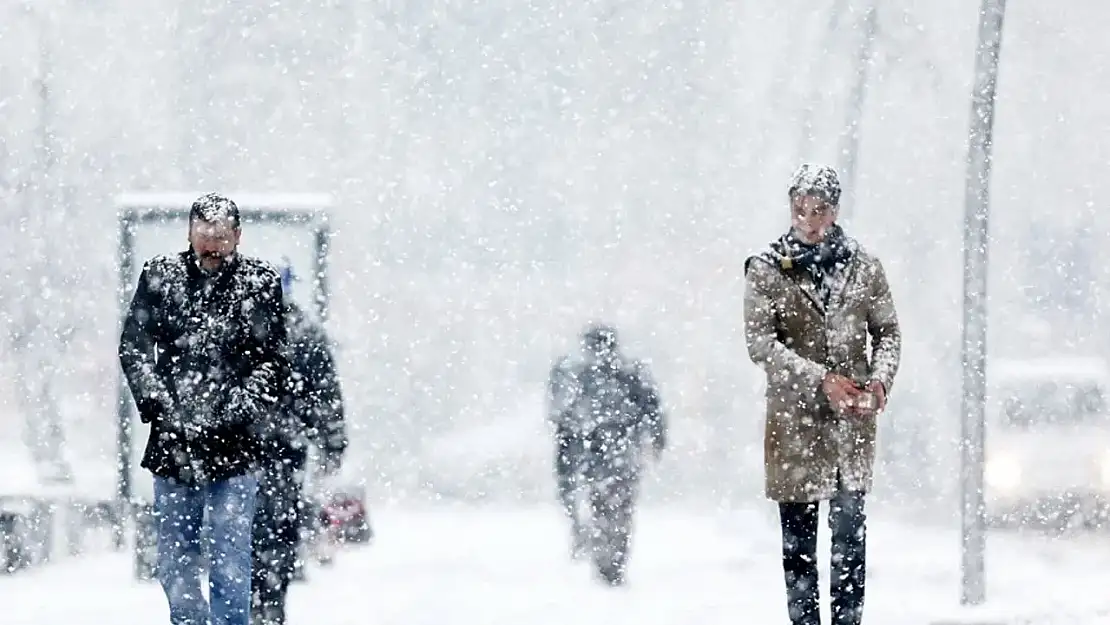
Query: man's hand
{"x": 877, "y": 389}
{"x": 192, "y": 432}
{"x": 239, "y": 408}
{"x": 177, "y": 428}
{"x": 841, "y": 391}
{"x": 157, "y": 407}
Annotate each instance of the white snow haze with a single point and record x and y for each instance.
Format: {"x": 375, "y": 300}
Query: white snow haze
{"x": 503, "y": 172}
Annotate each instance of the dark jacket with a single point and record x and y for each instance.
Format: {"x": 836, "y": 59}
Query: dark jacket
{"x": 312, "y": 405}
{"x": 613, "y": 404}
{"x": 204, "y": 356}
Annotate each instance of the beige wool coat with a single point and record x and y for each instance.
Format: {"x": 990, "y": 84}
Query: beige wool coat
{"x": 809, "y": 450}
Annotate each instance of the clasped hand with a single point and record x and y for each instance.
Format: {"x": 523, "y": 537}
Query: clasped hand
{"x": 847, "y": 397}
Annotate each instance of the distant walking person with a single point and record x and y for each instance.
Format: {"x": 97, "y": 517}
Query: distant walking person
{"x": 821, "y": 322}
{"x": 310, "y": 413}
{"x": 203, "y": 349}
{"x": 605, "y": 410}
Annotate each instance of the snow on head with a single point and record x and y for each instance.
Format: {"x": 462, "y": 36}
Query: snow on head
{"x": 817, "y": 180}
{"x": 214, "y": 208}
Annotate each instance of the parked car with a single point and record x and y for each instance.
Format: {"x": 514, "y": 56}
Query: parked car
{"x": 1048, "y": 442}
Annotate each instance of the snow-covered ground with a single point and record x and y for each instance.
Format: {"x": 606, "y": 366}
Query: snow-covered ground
{"x": 509, "y": 566}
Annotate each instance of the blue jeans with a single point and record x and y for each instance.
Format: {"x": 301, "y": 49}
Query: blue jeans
{"x": 180, "y": 510}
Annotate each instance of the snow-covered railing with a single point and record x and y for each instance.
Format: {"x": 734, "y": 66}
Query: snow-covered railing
{"x": 37, "y": 530}
{"x": 297, "y": 207}
{"x": 245, "y": 200}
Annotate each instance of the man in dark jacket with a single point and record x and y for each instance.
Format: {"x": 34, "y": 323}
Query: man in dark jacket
{"x": 203, "y": 351}
{"x": 311, "y": 413}
{"x": 602, "y": 406}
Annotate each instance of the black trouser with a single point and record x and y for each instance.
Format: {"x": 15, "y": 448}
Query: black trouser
{"x": 612, "y": 497}
{"x": 847, "y": 523}
{"x": 569, "y": 452}
{"x": 278, "y": 519}
{"x": 613, "y": 504}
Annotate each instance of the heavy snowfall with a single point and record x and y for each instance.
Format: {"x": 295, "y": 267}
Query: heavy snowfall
{"x": 492, "y": 177}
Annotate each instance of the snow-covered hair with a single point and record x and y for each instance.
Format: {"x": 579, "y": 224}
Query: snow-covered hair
{"x": 213, "y": 208}
{"x": 817, "y": 180}
{"x": 599, "y": 337}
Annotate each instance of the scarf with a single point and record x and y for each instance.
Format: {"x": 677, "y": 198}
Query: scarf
{"x": 821, "y": 261}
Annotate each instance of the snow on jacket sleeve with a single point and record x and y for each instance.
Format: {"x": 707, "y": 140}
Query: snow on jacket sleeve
{"x": 327, "y": 421}
{"x": 885, "y": 331}
{"x": 764, "y": 347}
{"x": 562, "y": 392}
{"x": 258, "y": 396}
{"x": 646, "y": 395}
{"x": 137, "y": 351}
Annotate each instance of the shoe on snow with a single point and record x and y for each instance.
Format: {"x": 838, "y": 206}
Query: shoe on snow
{"x": 612, "y": 576}
{"x": 580, "y": 545}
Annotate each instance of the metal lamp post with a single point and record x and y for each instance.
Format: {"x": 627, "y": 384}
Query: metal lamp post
{"x": 850, "y": 139}
{"x": 976, "y": 241}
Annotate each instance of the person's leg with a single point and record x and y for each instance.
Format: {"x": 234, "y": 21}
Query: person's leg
{"x": 179, "y": 514}
{"x": 799, "y": 561}
{"x": 613, "y": 508}
{"x": 277, "y": 526}
{"x": 262, "y": 547}
{"x": 231, "y": 506}
{"x": 288, "y": 540}
{"x": 848, "y": 571}
{"x": 568, "y": 452}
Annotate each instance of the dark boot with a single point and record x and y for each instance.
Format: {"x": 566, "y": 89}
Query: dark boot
{"x": 848, "y": 571}
{"x": 799, "y": 561}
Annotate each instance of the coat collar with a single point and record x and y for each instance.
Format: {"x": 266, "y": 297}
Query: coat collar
{"x": 798, "y": 276}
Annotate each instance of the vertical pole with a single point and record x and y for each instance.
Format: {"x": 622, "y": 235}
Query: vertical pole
{"x": 124, "y": 433}
{"x": 817, "y": 87}
{"x": 976, "y": 240}
{"x": 849, "y": 149}
{"x": 125, "y": 509}
{"x": 46, "y": 428}
{"x": 321, "y": 278}
{"x": 185, "y": 114}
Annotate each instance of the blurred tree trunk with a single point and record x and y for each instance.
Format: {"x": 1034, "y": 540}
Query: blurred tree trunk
{"x": 39, "y": 272}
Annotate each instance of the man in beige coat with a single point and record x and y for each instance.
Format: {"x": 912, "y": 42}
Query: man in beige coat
{"x": 820, "y": 321}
